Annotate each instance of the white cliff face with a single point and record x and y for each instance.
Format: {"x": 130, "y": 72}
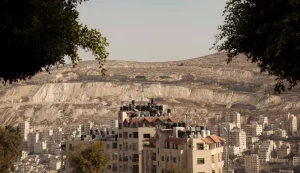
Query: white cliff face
{"x": 199, "y": 86}
{"x": 88, "y": 93}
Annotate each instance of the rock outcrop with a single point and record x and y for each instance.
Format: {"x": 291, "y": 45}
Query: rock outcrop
{"x": 200, "y": 86}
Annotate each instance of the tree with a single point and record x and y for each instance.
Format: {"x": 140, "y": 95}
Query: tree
{"x": 268, "y": 33}
{"x": 90, "y": 159}
{"x": 10, "y": 148}
{"x": 173, "y": 169}
{"x": 36, "y": 35}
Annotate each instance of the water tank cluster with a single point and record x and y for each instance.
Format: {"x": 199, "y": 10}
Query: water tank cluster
{"x": 193, "y": 132}
{"x": 152, "y": 108}
{"x": 100, "y": 133}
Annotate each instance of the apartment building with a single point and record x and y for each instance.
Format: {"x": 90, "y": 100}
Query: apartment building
{"x": 46, "y": 134}
{"x": 283, "y": 151}
{"x": 33, "y": 137}
{"x": 183, "y": 148}
{"x": 225, "y": 128}
{"x": 24, "y": 128}
{"x": 263, "y": 121}
{"x": 254, "y": 129}
{"x": 237, "y": 137}
{"x": 279, "y": 134}
{"x": 233, "y": 117}
{"x": 292, "y": 124}
{"x": 252, "y": 163}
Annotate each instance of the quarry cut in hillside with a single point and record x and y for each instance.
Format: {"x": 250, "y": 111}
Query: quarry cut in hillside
{"x": 201, "y": 87}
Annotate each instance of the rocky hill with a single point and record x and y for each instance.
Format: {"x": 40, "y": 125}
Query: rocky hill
{"x": 200, "y": 87}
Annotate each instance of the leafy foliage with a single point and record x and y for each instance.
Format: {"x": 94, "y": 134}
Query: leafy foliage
{"x": 173, "y": 169}
{"x": 90, "y": 159}
{"x": 36, "y": 35}
{"x": 10, "y": 148}
{"x": 268, "y": 33}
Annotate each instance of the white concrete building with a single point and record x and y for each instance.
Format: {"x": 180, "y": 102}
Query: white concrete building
{"x": 279, "y": 134}
{"x": 233, "y": 117}
{"x": 254, "y": 130}
{"x": 292, "y": 124}
{"x": 237, "y": 137}
{"x": 33, "y": 138}
{"x": 46, "y": 134}
{"x": 284, "y": 150}
{"x": 54, "y": 164}
{"x": 40, "y": 147}
{"x": 225, "y": 128}
{"x": 263, "y": 121}
{"x": 113, "y": 124}
{"x": 24, "y": 129}
{"x": 252, "y": 163}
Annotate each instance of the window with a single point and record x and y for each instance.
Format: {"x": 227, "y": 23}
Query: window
{"x": 200, "y": 161}
{"x": 162, "y": 158}
{"x": 135, "y": 134}
{"x": 146, "y": 135}
{"x": 115, "y": 145}
{"x": 212, "y": 159}
{"x": 108, "y": 146}
{"x": 125, "y": 135}
{"x": 120, "y": 146}
{"x": 125, "y": 146}
{"x": 125, "y": 167}
{"x": 129, "y": 135}
{"x": 120, "y": 135}
{"x": 157, "y": 150}
{"x": 167, "y": 159}
{"x": 200, "y": 146}
{"x": 174, "y": 159}
{"x": 134, "y": 147}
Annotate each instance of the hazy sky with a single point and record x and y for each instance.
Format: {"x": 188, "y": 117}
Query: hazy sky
{"x": 154, "y": 30}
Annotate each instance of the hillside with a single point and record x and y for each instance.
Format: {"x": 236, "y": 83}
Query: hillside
{"x": 200, "y": 87}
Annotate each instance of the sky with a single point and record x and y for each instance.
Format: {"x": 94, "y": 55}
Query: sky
{"x": 154, "y": 30}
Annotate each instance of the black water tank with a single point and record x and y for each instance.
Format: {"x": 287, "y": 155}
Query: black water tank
{"x": 169, "y": 111}
{"x": 148, "y": 107}
{"x": 202, "y": 127}
{"x": 143, "y": 108}
{"x": 130, "y": 107}
{"x": 133, "y": 102}
{"x": 152, "y": 101}
{"x": 161, "y": 108}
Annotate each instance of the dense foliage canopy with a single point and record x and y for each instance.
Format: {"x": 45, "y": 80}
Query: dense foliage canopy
{"x": 268, "y": 33}
{"x": 10, "y": 148}
{"x": 38, "y": 34}
{"x": 89, "y": 159}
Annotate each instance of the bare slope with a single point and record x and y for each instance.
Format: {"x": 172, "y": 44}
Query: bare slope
{"x": 200, "y": 86}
